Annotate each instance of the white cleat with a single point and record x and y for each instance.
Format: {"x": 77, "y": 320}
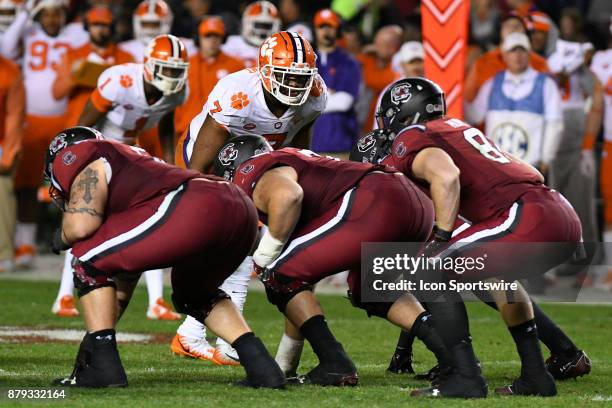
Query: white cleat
{"x": 192, "y": 348}
{"x": 226, "y": 355}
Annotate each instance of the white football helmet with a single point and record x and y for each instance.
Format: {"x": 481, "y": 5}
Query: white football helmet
{"x": 8, "y": 11}
{"x": 259, "y": 21}
{"x": 151, "y": 18}
{"x": 166, "y": 64}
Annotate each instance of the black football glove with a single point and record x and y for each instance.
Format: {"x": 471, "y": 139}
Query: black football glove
{"x": 57, "y": 243}
{"x": 437, "y": 243}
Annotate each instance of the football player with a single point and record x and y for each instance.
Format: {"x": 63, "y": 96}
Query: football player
{"x": 310, "y": 205}
{"x": 508, "y": 205}
{"x": 39, "y": 36}
{"x": 280, "y": 99}
{"x": 131, "y": 98}
{"x": 260, "y": 20}
{"x": 125, "y": 212}
{"x": 77, "y": 77}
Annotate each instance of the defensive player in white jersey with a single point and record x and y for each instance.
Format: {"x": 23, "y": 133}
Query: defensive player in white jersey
{"x": 279, "y": 100}
{"x": 39, "y": 37}
{"x": 151, "y": 18}
{"x": 131, "y": 98}
{"x": 259, "y": 21}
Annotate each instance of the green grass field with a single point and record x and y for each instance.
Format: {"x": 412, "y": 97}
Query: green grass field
{"x": 157, "y": 378}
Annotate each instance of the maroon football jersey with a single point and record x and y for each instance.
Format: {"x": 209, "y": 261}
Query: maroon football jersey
{"x": 135, "y": 177}
{"x": 323, "y": 179}
{"x": 490, "y": 180}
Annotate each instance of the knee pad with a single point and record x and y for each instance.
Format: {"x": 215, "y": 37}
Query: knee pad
{"x": 281, "y": 289}
{"x": 379, "y": 309}
{"x": 88, "y": 278}
{"x": 200, "y": 307}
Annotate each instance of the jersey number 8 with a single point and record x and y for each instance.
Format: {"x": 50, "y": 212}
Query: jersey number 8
{"x": 478, "y": 140}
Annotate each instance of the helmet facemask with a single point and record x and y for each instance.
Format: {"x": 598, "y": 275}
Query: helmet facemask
{"x": 291, "y": 86}
{"x": 167, "y": 76}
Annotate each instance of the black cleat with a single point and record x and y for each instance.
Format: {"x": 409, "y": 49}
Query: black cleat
{"x": 563, "y": 368}
{"x": 401, "y": 362}
{"x": 541, "y": 387}
{"x": 327, "y": 374}
{"x": 455, "y": 386}
{"x": 96, "y": 367}
{"x": 436, "y": 374}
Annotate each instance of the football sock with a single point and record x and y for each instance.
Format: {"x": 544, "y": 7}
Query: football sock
{"x": 236, "y": 286}
{"x": 551, "y": 335}
{"x": 423, "y": 328}
{"x": 192, "y": 329}
{"x": 260, "y": 367}
{"x": 155, "y": 285}
{"x": 525, "y": 337}
{"x": 288, "y": 354}
{"x": 25, "y": 234}
{"x": 323, "y": 342}
{"x": 406, "y": 339}
{"x": 67, "y": 282}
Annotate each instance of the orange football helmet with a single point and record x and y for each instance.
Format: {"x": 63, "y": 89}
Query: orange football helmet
{"x": 151, "y": 18}
{"x": 166, "y": 64}
{"x": 287, "y": 67}
{"x": 8, "y": 11}
{"x": 259, "y": 21}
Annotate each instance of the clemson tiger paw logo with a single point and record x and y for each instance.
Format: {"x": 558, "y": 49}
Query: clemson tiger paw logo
{"x": 126, "y": 81}
{"x": 267, "y": 46}
{"x": 239, "y": 100}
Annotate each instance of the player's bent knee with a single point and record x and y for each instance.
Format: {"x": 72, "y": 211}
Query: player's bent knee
{"x": 281, "y": 289}
{"x": 198, "y": 307}
{"x": 87, "y": 277}
{"x": 379, "y": 309}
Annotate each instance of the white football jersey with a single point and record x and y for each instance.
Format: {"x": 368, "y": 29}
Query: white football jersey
{"x": 237, "y": 103}
{"x": 602, "y": 67}
{"x": 122, "y": 88}
{"x": 235, "y": 46}
{"x": 41, "y": 57}
{"x": 136, "y": 48}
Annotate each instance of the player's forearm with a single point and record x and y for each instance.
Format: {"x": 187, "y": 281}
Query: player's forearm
{"x": 284, "y": 209}
{"x": 90, "y": 115}
{"x": 595, "y": 115}
{"x": 445, "y": 194}
{"x": 166, "y": 137}
{"x": 11, "y": 39}
{"x": 552, "y": 136}
{"x": 80, "y": 223}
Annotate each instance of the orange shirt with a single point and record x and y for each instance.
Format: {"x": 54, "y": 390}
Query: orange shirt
{"x": 203, "y": 76}
{"x": 12, "y": 112}
{"x": 79, "y": 94}
{"x": 376, "y": 80}
{"x": 489, "y": 64}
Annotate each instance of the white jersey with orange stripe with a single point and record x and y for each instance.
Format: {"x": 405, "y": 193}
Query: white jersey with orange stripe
{"x": 120, "y": 93}
{"x": 136, "y": 48}
{"x": 602, "y": 67}
{"x": 237, "y": 103}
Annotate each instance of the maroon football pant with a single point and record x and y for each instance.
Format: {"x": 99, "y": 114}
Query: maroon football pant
{"x": 383, "y": 207}
{"x": 538, "y": 232}
{"x": 203, "y": 230}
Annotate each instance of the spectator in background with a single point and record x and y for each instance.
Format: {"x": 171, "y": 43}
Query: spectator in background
{"x": 376, "y": 67}
{"x": 80, "y": 68}
{"x": 543, "y": 33}
{"x": 205, "y": 69}
{"x": 336, "y": 129}
{"x": 351, "y": 40}
{"x": 189, "y": 15}
{"x": 570, "y": 25}
{"x": 12, "y": 111}
{"x": 572, "y": 171}
{"x": 492, "y": 62}
{"x": 293, "y": 18}
{"x": 484, "y": 18}
{"x": 521, "y": 107}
